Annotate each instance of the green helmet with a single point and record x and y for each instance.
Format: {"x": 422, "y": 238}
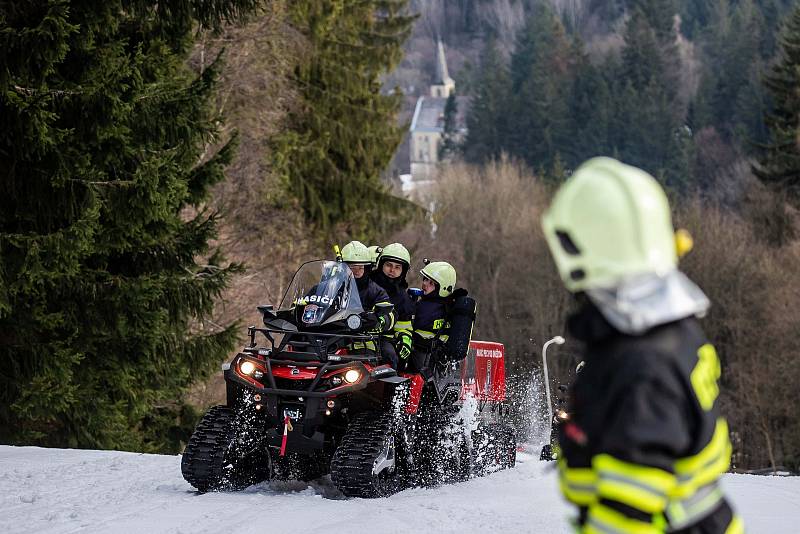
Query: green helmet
{"x": 395, "y": 252}
{"x": 608, "y": 222}
{"x": 357, "y": 253}
{"x": 443, "y": 274}
{"x": 374, "y": 253}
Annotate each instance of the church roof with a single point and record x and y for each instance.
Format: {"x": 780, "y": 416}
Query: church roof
{"x": 429, "y": 114}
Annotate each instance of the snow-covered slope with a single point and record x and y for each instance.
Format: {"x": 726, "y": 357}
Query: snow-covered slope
{"x": 60, "y": 491}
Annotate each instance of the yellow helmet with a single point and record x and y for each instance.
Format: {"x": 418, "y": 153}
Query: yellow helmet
{"x": 395, "y": 252}
{"x": 607, "y": 222}
{"x": 374, "y": 252}
{"x": 357, "y": 253}
{"x": 443, "y": 274}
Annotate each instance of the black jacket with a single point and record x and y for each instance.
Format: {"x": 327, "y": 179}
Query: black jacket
{"x": 430, "y": 320}
{"x": 645, "y": 444}
{"x": 396, "y": 289}
{"x": 370, "y": 293}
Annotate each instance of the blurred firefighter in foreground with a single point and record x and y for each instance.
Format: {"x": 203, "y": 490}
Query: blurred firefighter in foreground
{"x": 645, "y": 446}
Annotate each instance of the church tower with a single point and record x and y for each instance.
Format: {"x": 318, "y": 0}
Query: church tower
{"x": 443, "y": 85}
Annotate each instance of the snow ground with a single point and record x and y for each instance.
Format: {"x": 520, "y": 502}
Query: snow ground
{"x": 64, "y": 491}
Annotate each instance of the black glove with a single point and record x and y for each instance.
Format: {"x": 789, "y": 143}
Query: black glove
{"x": 381, "y": 326}
{"x": 405, "y": 347}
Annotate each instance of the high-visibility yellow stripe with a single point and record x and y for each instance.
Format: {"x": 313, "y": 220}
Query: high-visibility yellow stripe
{"x": 578, "y": 484}
{"x": 645, "y": 488}
{"x": 736, "y": 526}
{"x": 705, "y": 375}
{"x": 581, "y": 496}
{"x": 367, "y": 345}
{"x": 577, "y": 475}
{"x": 605, "y": 520}
{"x": 401, "y": 326}
{"x": 687, "y": 511}
{"x": 705, "y": 466}
{"x": 685, "y": 496}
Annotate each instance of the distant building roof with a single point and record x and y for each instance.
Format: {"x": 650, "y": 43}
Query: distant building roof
{"x": 429, "y": 114}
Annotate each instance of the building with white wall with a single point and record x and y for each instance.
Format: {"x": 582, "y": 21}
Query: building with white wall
{"x": 427, "y": 124}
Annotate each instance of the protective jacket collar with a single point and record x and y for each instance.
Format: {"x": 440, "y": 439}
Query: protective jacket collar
{"x": 391, "y": 285}
{"x": 643, "y": 302}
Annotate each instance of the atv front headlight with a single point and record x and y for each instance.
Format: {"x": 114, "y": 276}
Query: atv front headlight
{"x": 354, "y": 322}
{"x": 352, "y": 376}
{"x": 247, "y": 367}
{"x": 562, "y": 415}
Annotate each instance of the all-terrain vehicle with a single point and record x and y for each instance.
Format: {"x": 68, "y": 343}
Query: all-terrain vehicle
{"x": 315, "y": 398}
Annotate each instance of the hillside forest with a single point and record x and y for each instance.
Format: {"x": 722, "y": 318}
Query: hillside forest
{"x": 165, "y": 166}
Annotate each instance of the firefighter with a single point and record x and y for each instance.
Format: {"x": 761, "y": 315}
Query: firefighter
{"x": 359, "y": 258}
{"x": 431, "y": 311}
{"x": 393, "y": 263}
{"x": 645, "y": 445}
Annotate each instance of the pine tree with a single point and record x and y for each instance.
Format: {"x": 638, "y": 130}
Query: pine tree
{"x": 542, "y": 70}
{"x": 648, "y": 123}
{"x": 695, "y": 16}
{"x": 653, "y": 139}
{"x": 660, "y": 15}
{"x": 731, "y": 87}
{"x": 107, "y": 141}
{"x": 487, "y": 121}
{"x": 336, "y": 146}
{"x": 449, "y": 144}
{"x": 779, "y": 164}
{"x": 642, "y": 60}
{"x": 591, "y": 111}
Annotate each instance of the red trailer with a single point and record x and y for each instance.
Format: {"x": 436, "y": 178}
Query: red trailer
{"x": 483, "y": 374}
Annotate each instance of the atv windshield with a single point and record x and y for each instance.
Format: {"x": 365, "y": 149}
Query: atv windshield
{"x": 322, "y": 292}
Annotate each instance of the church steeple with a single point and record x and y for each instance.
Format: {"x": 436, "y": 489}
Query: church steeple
{"x": 443, "y": 85}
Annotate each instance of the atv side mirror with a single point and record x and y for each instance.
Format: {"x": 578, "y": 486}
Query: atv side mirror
{"x": 267, "y": 311}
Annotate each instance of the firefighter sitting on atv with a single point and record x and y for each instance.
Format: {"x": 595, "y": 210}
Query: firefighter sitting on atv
{"x": 373, "y": 298}
{"x": 431, "y": 325}
{"x": 393, "y": 262}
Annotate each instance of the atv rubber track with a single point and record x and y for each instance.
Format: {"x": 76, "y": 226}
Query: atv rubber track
{"x": 352, "y": 463}
{"x": 204, "y": 457}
